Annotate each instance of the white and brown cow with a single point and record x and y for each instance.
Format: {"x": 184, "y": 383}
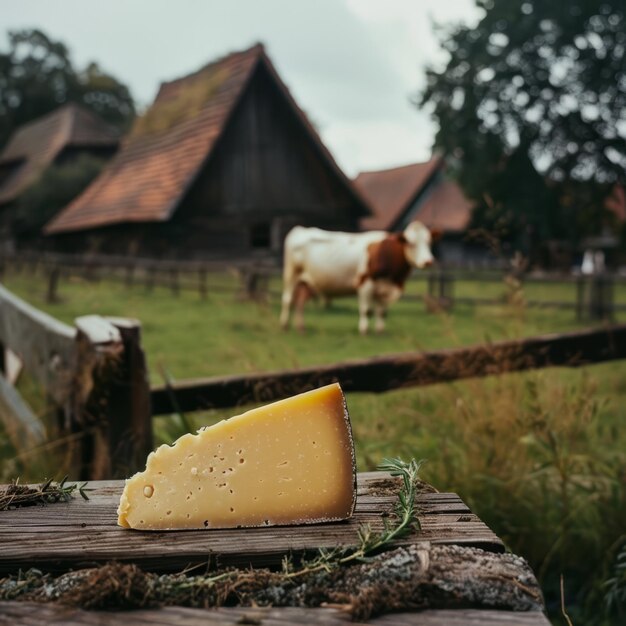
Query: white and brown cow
{"x": 373, "y": 264}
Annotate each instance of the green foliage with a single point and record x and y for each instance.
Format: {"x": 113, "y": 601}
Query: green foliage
{"x": 37, "y": 75}
{"x": 615, "y": 598}
{"x": 56, "y": 187}
{"x": 535, "y": 87}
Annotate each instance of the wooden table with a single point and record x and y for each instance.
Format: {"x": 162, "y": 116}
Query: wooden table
{"x": 83, "y": 534}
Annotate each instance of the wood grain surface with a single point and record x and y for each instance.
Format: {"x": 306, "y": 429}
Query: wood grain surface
{"x": 34, "y": 614}
{"x": 61, "y": 536}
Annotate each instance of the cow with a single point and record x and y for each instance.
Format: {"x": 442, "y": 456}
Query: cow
{"x": 372, "y": 264}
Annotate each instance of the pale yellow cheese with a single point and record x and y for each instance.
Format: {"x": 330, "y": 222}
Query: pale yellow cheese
{"x": 290, "y": 462}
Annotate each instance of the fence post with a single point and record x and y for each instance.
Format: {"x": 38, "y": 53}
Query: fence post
{"x": 447, "y": 290}
{"x": 174, "y": 280}
{"x": 53, "y": 284}
{"x": 151, "y": 278}
{"x": 580, "y": 297}
{"x": 440, "y": 291}
{"x": 601, "y": 300}
{"x": 595, "y": 297}
{"x": 110, "y": 399}
{"x": 202, "y": 283}
{"x": 130, "y": 271}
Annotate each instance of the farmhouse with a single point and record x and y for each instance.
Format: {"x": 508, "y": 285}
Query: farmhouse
{"x": 420, "y": 191}
{"x": 59, "y": 137}
{"x": 223, "y": 164}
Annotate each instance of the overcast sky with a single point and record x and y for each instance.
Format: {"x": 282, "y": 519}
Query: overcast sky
{"x": 353, "y": 65}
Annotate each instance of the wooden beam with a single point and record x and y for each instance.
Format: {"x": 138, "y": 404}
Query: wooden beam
{"x": 53, "y": 541}
{"x": 399, "y": 371}
{"x": 29, "y": 613}
{"x": 44, "y": 344}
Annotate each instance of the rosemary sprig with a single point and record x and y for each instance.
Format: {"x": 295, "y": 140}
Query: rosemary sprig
{"x": 16, "y": 495}
{"x": 371, "y": 543}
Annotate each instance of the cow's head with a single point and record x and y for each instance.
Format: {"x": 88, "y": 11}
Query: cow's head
{"x": 417, "y": 245}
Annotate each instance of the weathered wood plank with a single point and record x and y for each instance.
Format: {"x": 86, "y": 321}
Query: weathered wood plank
{"x": 44, "y": 344}
{"x": 23, "y": 428}
{"x": 399, "y": 370}
{"x": 78, "y": 533}
{"x": 33, "y": 614}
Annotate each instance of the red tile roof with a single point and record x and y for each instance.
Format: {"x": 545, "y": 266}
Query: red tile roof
{"x": 168, "y": 146}
{"x": 35, "y": 145}
{"x": 446, "y": 208}
{"x": 391, "y": 192}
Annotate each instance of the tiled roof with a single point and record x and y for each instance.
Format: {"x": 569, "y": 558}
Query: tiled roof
{"x": 390, "y": 192}
{"x": 35, "y": 145}
{"x": 446, "y": 208}
{"x": 168, "y": 146}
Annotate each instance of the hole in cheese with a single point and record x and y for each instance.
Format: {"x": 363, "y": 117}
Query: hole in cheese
{"x": 298, "y": 468}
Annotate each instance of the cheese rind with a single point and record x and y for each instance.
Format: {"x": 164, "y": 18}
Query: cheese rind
{"x": 290, "y": 462}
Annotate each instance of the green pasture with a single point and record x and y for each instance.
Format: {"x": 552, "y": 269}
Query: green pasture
{"x": 540, "y": 456}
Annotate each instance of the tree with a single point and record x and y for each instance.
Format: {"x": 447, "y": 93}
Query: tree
{"x": 56, "y": 188}
{"x": 531, "y": 99}
{"x": 37, "y": 75}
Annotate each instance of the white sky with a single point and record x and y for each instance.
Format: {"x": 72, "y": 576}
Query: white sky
{"x": 352, "y": 65}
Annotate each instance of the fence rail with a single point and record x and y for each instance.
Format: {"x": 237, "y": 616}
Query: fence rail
{"x": 397, "y": 371}
{"x": 592, "y": 297}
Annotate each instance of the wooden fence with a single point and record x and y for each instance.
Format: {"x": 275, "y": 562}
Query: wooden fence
{"x": 203, "y": 277}
{"x": 95, "y": 377}
{"x": 397, "y": 371}
{"x": 593, "y": 296}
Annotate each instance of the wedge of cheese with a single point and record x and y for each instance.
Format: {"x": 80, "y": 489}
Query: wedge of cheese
{"x": 290, "y": 462}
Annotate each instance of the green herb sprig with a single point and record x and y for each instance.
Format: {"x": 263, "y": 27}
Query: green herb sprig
{"x": 16, "y": 495}
{"x": 370, "y": 543}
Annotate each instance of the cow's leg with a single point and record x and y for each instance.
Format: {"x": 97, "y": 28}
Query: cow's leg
{"x": 302, "y": 293}
{"x": 291, "y": 278}
{"x": 366, "y": 297}
{"x": 287, "y": 301}
{"x": 380, "y": 312}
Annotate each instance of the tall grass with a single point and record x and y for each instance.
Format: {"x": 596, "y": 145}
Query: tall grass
{"x": 543, "y": 464}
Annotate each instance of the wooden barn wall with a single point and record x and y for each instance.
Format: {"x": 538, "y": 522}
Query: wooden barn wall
{"x": 265, "y": 173}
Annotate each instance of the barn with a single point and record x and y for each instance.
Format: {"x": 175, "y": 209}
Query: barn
{"x": 57, "y": 138}
{"x": 223, "y": 164}
{"x": 421, "y": 191}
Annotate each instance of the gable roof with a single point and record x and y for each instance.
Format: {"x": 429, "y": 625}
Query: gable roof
{"x": 445, "y": 209}
{"x": 391, "y": 192}
{"x": 34, "y": 146}
{"x": 441, "y": 204}
{"x": 168, "y": 146}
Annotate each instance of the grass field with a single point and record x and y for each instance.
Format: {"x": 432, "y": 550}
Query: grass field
{"x": 541, "y": 456}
